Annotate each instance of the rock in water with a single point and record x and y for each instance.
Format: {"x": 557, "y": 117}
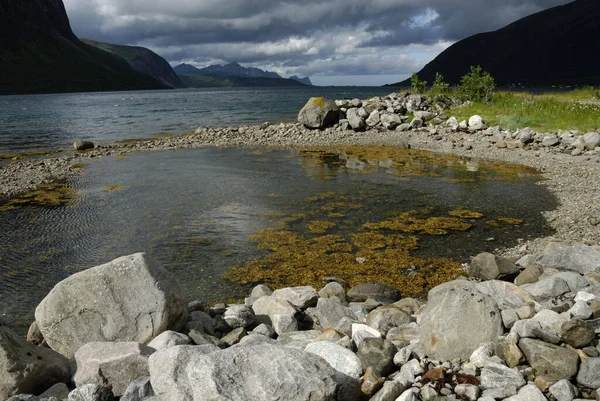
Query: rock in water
{"x": 241, "y": 373}
{"x": 83, "y": 145}
{"x": 132, "y": 298}
{"x": 26, "y": 368}
{"x": 457, "y": 320}
{"x": 319, "y": 113}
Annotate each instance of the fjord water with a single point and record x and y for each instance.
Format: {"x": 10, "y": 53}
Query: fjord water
{"x": 55, "y": 121}
{"x": 195, "y": 209}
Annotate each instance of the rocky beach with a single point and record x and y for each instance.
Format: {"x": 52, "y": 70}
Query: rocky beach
{"x": 523, "y": 324}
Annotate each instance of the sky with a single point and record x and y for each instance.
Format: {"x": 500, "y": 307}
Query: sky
{"x": 335, "y": 42}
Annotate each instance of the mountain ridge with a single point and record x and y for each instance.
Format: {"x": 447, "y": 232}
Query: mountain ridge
{"x": 39, "y": 53}
{"x": 556, "y": 46}
{"x": 142, "y": 60}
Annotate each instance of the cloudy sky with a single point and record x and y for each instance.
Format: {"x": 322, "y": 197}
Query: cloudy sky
{"x": 335, "y": 42}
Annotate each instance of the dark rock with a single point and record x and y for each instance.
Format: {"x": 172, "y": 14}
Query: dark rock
{"x": 577, "y": 333}
{"x": 550, "y": 360}
{"x": 378, "y": 354}
{"x": 362, "y": 292}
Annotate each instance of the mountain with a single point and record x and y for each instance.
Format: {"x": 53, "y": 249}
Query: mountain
{"x": 236, "y": 70}
{"x": 216, "y": 81}
{"x": 39, "y": 53}
{"x": 305, "y": 80}
{"x": 143, "y": 60}
{"x": 186, "y": 69}
{"x": 557, "y": 46}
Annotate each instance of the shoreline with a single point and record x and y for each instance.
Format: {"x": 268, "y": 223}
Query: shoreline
{"x": 572, "y": 179}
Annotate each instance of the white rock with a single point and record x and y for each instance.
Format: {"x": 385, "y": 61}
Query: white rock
{"x": 584, "y": 296}
{"x": 481, "y": 355}
{"x": 563, "y": 390}
{"x": 528, "y": 393}
{"x": 499, "y": 376}
{"x": 551, "y": 320}
{"x": 284, "y": 324}
{"x": 580, "y": 310}
{"x": 362, "y": 331}
{"x": 169, "y": 339}
{"x": 468, "y": 391}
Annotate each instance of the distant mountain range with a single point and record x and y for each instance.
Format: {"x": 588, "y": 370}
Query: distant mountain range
{"x": 39, "y": 53}
{"x": 557, "y": 46}
{"x": 143, "y": 60}
{"x": 233, "y": 75}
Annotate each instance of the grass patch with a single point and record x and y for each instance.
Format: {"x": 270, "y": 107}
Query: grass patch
{"x": 577, "y": 110}
{"x": 49, "y": 195}
{"x": 109, "y": 188}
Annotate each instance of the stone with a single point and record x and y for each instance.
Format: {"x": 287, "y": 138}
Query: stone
{"x": 589, "y": 373}
{"x": 509, "y": 352}
{"x": 371, "y": 382}
{"x": 373, "y": 118}
{"x": 509, "y": 317}
{"x": 574, "y": 280}
{"x": 200, "y": 338}
{"x": 27, "y": 368}
{"x": 284, "y": 324}
{"x": 409, "y": 372}
{"x": 456, "y": 320}
{"x": 494, "y": 375}
{"x": 578, "y": 258}
{"x": 362, "y": 331}
{"x": 168, "y": 339}
{"x": 385, "y": 318}
{"x": 333, "y": 289}
{"x": 591, "y": 140}
{"x": 424, "y": 115}
{"x": 233, "y": 337}
{"x": 550, "y": 140}
{"x": 34, "y": 335}
{"x": 330, "y": 312}
{"x": 298, "y": 339}
{"x": 356, "y": 122}
{"x": 529, "y": 275}
{"x": 390, "y": 121}
{"x": 402, "y": 356}
{"x": 406, "y": 333}
{"x": 390, "y": 391}
{"x": 265, "y": 307}
{"x": 416, "y": 123}
{"x": 91, "y": 392}
{"x": 319, "y": 113}
{"x": 60, "y": 391}
{"x": 135, "y": 299}
{"x": 138, "y": 390}
{"x": 377, "y": 353}
{"x": 206, "y": 322}
{"x": 83, "y": 145}
{"x": 546, "y": 289}
{"x": 239, "y": 316}
{"x": 528, "y": 393}
{"x": 481, "y": 355}
{"x": 409, "y": 305}
{"x": 265, "y": 330}
{"x": 409, "y": 395}
{"x": 260, "y": 290}
{"x": 551, "y": 320}
{"x": 498, "y": 393}
{"x": 580, "y": 310}
{"x": 242, "y": 373}
{"x": 506, "y": 295}
{"x": 111, "y": 364}
{"x": 467, "y": 391}
{"x": 476, "y": 123}
{"x": 550, "y": 360}
{"x": 563, "y": 390}
{"x": 347, "y": 366}
{"x": 362, "y": 292}
{"x": 300, "y": 297}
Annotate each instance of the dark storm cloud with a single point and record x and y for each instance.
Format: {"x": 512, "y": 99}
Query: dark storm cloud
{"x": 339, "y": 36}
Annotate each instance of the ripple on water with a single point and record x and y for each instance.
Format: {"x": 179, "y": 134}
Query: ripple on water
{"x": 196, "y": 210}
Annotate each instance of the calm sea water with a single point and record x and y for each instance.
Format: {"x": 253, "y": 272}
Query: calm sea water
{"x": 194, "y": 210}
{"x": 55, "y": 121}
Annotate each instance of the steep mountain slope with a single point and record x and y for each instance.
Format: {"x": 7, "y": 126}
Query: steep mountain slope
{"x": 236, "y": 70}
{"x": 40, "y": 54}
{"x": 186, "y": 69}
{"x": 142, "y": 60}
{"x": 557, "y": 46}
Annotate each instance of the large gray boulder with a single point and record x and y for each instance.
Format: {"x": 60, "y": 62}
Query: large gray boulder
{"x": 265, "y": 308}
{"x": 112, "y": 364}
{"x": 578, "y": 258}
{"x": 319, "y": 113}
{"x": 549, "y": 360}
{"x": 385, "y": 318}
{"x": 362, "y": 292}
{"x": 355, "y": 120}
{"x": 301, "y": 297}
{"x": 132, "y": 298}
{"x": 26, "y": 368}
{"x": 506, "y": 295}
{"x": 457, "y": 320}
{"x": 242, "y": 373}
{"x": 591, "y": 140}
{"x": 589, "y": 373}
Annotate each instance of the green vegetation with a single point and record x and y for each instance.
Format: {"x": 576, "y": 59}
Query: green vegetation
{"x": 477, "y": 85}
{"x": 548, "y": 112}
{"x": 416, "y": 84}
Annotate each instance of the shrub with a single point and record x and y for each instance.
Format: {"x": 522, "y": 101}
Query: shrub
{"x": 439, "y": 87}
{"x": 477, "y": 85}
{"x": 416, "y": 84}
